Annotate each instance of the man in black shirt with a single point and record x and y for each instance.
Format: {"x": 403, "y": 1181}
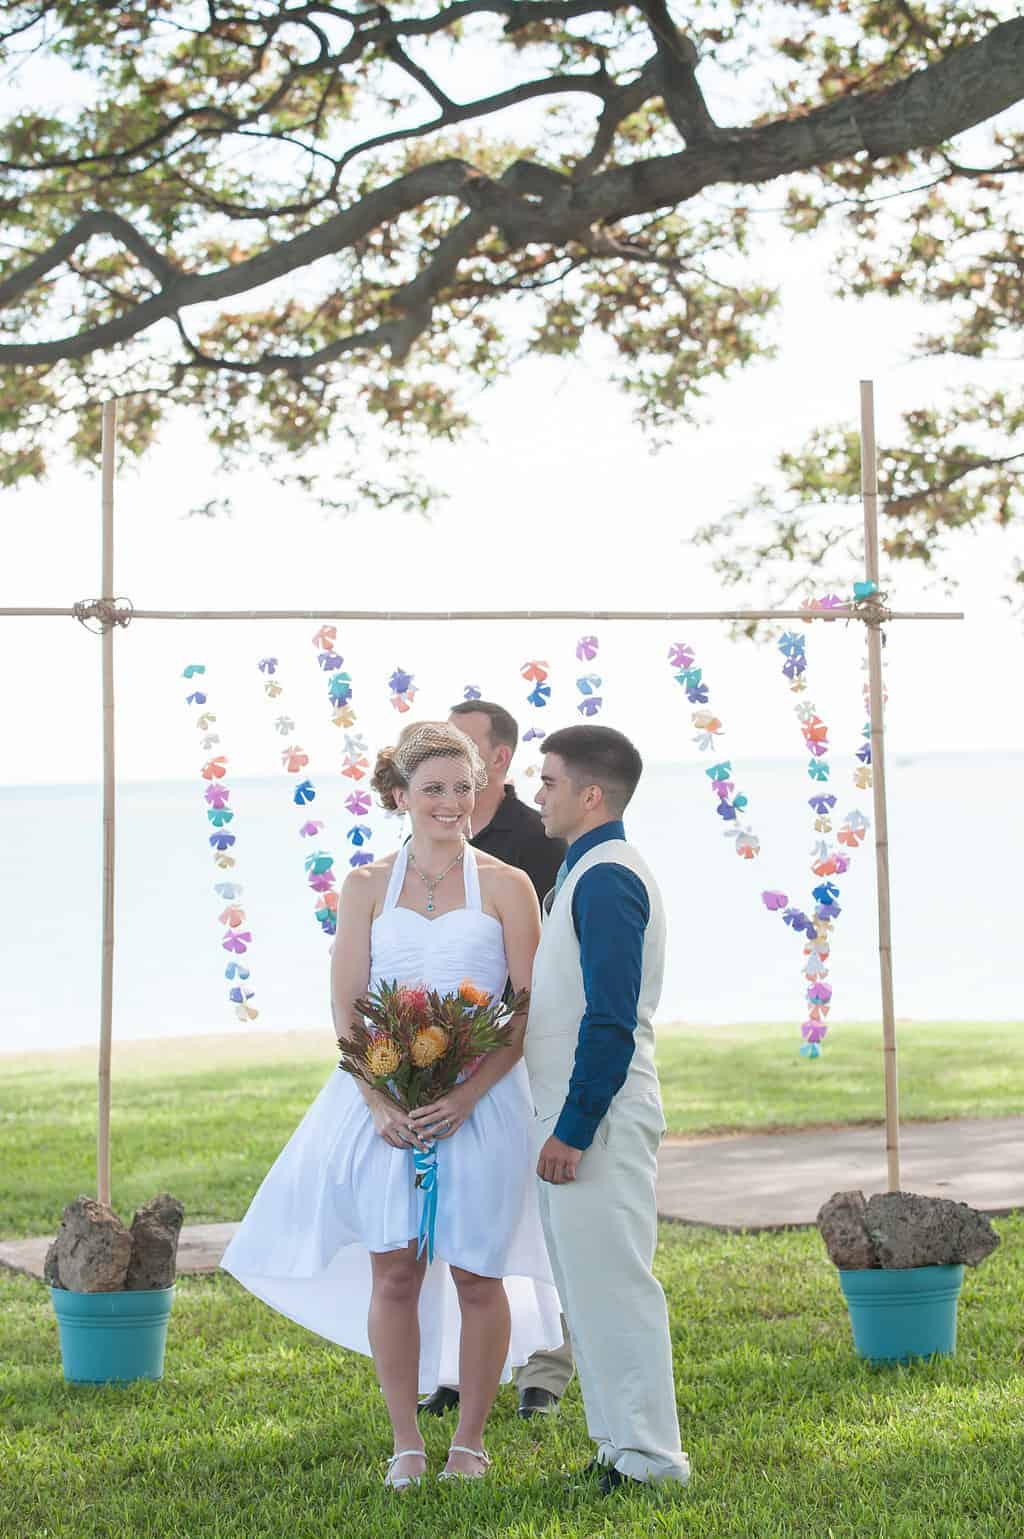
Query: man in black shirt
{"x": 508, "y": 829}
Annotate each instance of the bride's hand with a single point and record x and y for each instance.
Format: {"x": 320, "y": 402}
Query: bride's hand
{"x": 444, "y": 1117}
{"x": 394, "y": 1125}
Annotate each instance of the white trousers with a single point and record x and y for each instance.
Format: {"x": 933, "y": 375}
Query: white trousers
{"x": 601, "y": 1232}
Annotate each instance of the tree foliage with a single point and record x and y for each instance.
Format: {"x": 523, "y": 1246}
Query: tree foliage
{"x": 298, "y": 218}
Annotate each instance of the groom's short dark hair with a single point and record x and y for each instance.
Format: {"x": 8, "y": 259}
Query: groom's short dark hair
{"x": 598, "y": 756}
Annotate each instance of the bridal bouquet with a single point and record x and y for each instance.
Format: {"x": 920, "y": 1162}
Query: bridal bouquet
{"x": 414, "y": 1045}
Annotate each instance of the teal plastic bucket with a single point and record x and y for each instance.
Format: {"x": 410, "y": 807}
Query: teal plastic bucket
{"x": 112, "y": 1338}
{"x": 900, "y": 1314}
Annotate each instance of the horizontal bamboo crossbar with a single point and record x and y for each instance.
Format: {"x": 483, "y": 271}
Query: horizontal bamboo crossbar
{"x": 866, "y": 612}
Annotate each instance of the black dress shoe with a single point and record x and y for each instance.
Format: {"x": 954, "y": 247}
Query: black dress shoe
{"x": 537, "y": 1402}
{"x": 612, "y": 1479}
{"x": 443, "y": 1399}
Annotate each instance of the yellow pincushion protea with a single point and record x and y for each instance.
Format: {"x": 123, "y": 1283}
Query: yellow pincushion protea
{"x": 383, "y": 1057}
{"x": 428, "y": 1045}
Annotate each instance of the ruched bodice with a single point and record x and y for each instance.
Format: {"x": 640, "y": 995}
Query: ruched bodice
{"x": 407, "y": 947}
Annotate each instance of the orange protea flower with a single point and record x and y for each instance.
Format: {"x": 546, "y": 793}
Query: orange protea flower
{"x": 469, "y": 992}
{"x": 428, "y": 1045}
{"x": 383, "y": 1057}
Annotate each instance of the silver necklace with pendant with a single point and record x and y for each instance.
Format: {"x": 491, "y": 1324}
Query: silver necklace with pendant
{"x": 431, "y": 882}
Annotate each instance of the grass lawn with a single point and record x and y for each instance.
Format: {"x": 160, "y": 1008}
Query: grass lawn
{"x": 262, "y": 1431}
{"x": 205, "y": 1117}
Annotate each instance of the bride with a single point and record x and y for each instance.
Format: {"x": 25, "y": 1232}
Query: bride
{"x": 330, "y": 1237}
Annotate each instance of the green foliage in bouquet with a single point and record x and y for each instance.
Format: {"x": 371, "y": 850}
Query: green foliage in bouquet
{"x": 414, "y": 1044}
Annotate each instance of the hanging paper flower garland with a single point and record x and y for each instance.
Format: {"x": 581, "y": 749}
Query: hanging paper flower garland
{"x": 588, "y": 684}
{"x": 295, "y": 760}
{"x": 535, "y": 673}
{"x": 236, "y": 939}
{"x": 355, "y": 762}
{"x": 827, "y": 860}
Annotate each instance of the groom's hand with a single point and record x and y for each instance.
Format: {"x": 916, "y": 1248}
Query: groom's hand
{"x": 558, "y": 1161}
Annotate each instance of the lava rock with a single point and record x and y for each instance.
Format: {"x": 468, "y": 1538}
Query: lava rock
{"x": 843, "y": 1226}
{"x": 51, "y": 1274}
{"x": 154, "y": 1235}
{"x": 92, "y": 1248}
{"x": 908, "y": 1230}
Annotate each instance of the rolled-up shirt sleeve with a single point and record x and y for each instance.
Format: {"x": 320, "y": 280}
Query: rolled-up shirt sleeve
{"x": 610, "y": 911}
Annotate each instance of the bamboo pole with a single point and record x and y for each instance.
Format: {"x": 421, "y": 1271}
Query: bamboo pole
{"x": 657, "y": 615}
{"x": 869, "y": 485}
{"x": 109, "y": 440}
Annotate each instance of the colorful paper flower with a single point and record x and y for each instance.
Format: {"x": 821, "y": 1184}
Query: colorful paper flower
{"x": 586, "y": 648}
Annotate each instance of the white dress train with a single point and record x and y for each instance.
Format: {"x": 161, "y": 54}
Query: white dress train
{"x": 337, "y": 1191}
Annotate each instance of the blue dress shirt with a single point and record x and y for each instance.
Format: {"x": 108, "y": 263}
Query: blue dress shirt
{"x": 610, "y": 912}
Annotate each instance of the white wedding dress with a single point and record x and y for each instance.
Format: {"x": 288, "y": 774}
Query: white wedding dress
{"x": 337, "y": 1191}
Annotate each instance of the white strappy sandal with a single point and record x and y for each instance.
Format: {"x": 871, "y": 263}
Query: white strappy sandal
{"x": 402, "y": 1482}
{"x": 476, "y": 1453}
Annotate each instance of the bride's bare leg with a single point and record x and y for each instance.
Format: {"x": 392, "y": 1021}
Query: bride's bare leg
{"x": 483, "y": 1348}
{"x": 394, "y": 1331}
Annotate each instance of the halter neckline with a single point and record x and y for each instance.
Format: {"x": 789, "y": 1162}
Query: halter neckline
{"x": 470, "y": 881}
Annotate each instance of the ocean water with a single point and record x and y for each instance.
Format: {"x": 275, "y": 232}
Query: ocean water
{"x": 955, "y": 926}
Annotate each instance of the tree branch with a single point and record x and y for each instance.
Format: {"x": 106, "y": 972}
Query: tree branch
{"x": 533, "y": 204}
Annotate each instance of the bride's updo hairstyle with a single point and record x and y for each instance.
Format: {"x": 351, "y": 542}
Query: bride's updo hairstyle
{"x": 396, "y": 766}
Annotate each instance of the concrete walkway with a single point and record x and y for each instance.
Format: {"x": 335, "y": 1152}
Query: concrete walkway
{"x": 755, "y": 1182}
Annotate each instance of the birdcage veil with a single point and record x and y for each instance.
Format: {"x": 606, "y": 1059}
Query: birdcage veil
{"x": 418, "y": 742}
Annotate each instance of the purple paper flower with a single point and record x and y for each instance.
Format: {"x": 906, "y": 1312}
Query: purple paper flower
{"x": 472, "y": 692}
{"x": 329, "y": 661}
{"x": 680, "y": 655}
{"x": 774, "y": 900}
{"x": 821, "y": 804}
{"x": 221, "y": 841}
{"x": 819, "y": 993}
{"x": 590, "y": 705}
{"x": 321, "y": 881}
{"x": 358, "y": 803}
{"x": 864, "y": 753}
{"x": 586, "y": 648}
{"x": 400, "y": 682}
{"x": 217, "y": 794}
{"x": 723, "y": 788}
{"x": 267, "y": 665}
{"x": 308, "y": 830}
{"x": 698, "y": 695}
{"x": 238, "y": 941}
{"x": 195, "y": 698}
{"x": 813, "y": 1031}
{"x": 361, "y": 858}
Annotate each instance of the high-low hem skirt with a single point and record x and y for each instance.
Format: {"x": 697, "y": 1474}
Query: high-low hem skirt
{"x": 338, "y": 1192}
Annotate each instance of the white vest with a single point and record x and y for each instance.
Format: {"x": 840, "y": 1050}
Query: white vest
{"x": 558, "y": 1001}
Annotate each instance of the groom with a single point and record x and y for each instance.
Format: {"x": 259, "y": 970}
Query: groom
{"x": 590, "y": 1056}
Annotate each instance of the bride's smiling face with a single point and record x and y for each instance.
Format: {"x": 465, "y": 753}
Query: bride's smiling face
{"x": 439, "y": 798}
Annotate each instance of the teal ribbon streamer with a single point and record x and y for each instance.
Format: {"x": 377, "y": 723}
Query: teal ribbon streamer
{"x": 425, "y": 1164}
